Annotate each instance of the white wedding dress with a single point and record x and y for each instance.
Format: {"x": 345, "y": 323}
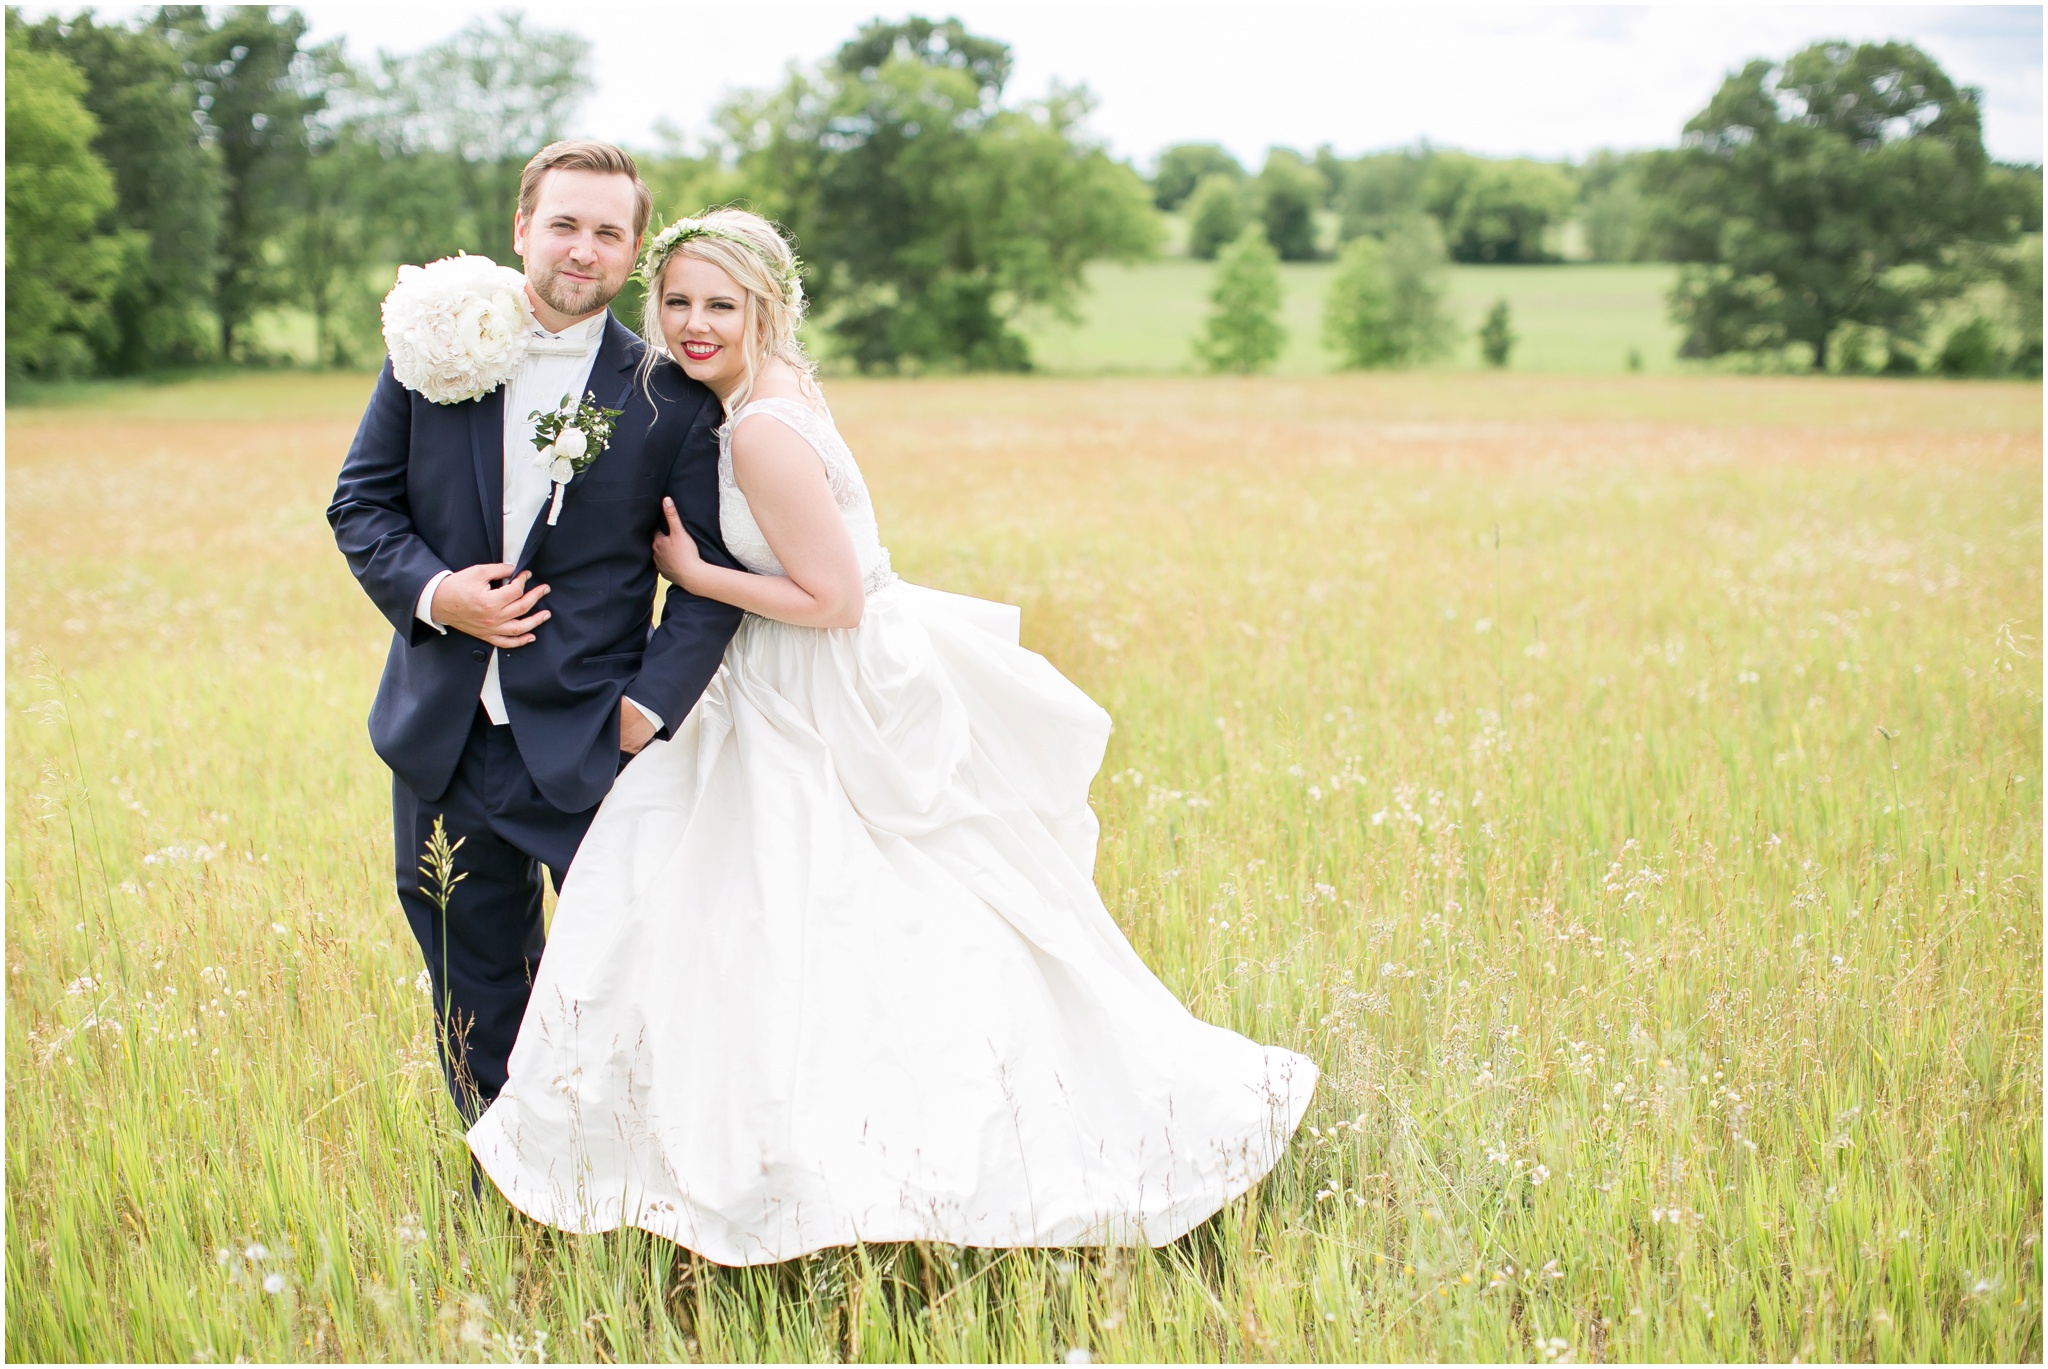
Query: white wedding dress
{"x": 830, "y": 965}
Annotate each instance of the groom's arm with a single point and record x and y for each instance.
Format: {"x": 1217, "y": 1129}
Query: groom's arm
{"x": 372, "y": 516}
{"x": 690, "y": 641}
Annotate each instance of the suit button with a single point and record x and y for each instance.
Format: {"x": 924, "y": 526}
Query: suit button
{"x": 477, "y": 656}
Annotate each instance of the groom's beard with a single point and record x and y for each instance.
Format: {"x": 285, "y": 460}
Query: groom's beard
{"x": 573, "y": 298}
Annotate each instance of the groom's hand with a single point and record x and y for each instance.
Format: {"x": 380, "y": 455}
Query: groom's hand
{"x": 635, "y": 729}
{"x": 503, "y": 616}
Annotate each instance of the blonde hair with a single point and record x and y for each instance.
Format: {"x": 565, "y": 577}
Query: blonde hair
{"x": 754, "y": 253}
{"x": 581, "y": 154}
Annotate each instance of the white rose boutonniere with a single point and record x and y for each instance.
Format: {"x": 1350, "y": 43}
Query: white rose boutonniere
{"x": 570, "y": 439}
{"x": 456, "y": 328}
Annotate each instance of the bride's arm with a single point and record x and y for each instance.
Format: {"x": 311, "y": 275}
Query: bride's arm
{"x": 784, "y": 482}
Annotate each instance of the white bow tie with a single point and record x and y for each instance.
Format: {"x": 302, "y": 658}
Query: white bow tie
{"x": 548, "y": 344}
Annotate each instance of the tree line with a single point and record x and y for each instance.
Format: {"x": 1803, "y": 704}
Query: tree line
{"x": 175, "y": 180}
{"x": 1834, "y": 211}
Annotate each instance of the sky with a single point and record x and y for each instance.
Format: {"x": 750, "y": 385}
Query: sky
{"x": 1546, "y": 81}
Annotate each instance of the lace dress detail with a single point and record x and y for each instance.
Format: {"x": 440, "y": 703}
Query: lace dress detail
{"x": 743, "y": 536}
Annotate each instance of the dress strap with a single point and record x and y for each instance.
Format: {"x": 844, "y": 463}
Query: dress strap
{"x": 794, "y": 413}
{"x": 814, "y": 428}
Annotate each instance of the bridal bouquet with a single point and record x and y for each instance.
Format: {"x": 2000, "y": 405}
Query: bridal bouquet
{"x": 456, "y": 328}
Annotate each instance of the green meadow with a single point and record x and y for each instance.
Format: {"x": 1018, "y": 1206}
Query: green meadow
{"x": 1142, "y": 319}
{"x": 1626, "y": 787}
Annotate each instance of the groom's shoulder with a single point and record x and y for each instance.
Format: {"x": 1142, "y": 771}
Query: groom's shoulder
{"x": 387, "y": 396}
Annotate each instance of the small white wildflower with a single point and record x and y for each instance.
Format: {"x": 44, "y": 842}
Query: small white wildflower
{"x": 1539, "y": 1174}
{"x": 1078, "y": 1354}
{"x": 273, "y": 1283}
{"x": 256, "y": 1252}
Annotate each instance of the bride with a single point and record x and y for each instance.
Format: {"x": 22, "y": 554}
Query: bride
{"x": 830, "y": 965}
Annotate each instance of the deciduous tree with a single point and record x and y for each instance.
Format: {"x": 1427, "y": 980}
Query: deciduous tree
{"x": 1825, "y": 191}
{"x": 1496, "y": 337}
{"x": 1496, "y": 211}
{"x": 1377, "y": 190}
{"x": 1217, "y": 213}
{"x": 259, "y": 89}
{"x": 167, "y": 188}
{"x": 1183, "y": 166}
{"x": 1243, "y": 331}
{"x": 60, "y": 270}
{"x": 1385, "y": 307}
{"x": 1289, "y": 192}
{"x": 928, "y": 211}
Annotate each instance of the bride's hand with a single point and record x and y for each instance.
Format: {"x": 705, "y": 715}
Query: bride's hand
{"x": 675, "y": 551}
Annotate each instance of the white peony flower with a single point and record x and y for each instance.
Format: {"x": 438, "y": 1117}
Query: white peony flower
{"x": 456, "y": 328}
{"x": 571, "y": 442}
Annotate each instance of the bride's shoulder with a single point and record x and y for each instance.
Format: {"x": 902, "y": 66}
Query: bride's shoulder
{"x": 796, "y": 400}
{"x": 780, "y": 380}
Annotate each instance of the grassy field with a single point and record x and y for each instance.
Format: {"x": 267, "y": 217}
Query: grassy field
{"x": 1628, "y": 789}
{"x": 1143, "y": 319}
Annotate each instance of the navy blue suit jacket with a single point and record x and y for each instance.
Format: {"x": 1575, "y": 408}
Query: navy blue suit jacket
{"x": 421, "y": 491}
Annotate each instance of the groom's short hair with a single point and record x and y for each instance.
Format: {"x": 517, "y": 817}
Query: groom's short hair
{"x": 581, "y": 154}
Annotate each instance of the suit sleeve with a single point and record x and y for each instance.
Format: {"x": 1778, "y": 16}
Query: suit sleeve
{"x": 372, "y": 519}
{"x": 690, "y": 641}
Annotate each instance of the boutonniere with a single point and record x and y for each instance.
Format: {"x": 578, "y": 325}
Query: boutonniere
{"x": 570, "y": 439}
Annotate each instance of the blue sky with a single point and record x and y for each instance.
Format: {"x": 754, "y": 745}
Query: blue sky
{"x": 1541, "y": 80}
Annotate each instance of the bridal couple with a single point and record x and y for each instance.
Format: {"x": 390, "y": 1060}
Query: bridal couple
{"x": 828, "y": 963}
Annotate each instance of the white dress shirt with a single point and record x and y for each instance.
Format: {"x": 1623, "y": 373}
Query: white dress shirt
{"x": 558, "y": 364}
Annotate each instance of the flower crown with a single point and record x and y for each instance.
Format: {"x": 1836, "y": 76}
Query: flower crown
{"x": 682, "y": 230}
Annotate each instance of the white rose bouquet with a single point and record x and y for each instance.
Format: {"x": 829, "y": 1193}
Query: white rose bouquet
{"x": 456, "y": 328}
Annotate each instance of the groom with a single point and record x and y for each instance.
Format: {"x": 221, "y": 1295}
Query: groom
{"x": 524, "y": 674}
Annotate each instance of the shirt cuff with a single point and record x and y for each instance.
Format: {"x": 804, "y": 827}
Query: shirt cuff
{"x": 424, "y": 610}
{"x": 646, "y": 712}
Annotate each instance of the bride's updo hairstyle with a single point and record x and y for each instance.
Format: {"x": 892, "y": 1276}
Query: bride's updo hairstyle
{"x": 748, "y": 248}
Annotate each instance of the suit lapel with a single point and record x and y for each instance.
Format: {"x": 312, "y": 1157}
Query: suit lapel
{"x": 611, "y": 380}
{"x": 487, "y": 449}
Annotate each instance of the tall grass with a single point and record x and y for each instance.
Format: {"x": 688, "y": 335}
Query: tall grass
{"x": 1628, "y": 792}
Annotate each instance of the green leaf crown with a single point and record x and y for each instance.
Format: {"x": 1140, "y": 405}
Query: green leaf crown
{"x": 665, "y": 243}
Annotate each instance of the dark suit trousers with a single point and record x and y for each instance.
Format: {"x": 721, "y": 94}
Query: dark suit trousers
{"x": 481, "y": 971}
